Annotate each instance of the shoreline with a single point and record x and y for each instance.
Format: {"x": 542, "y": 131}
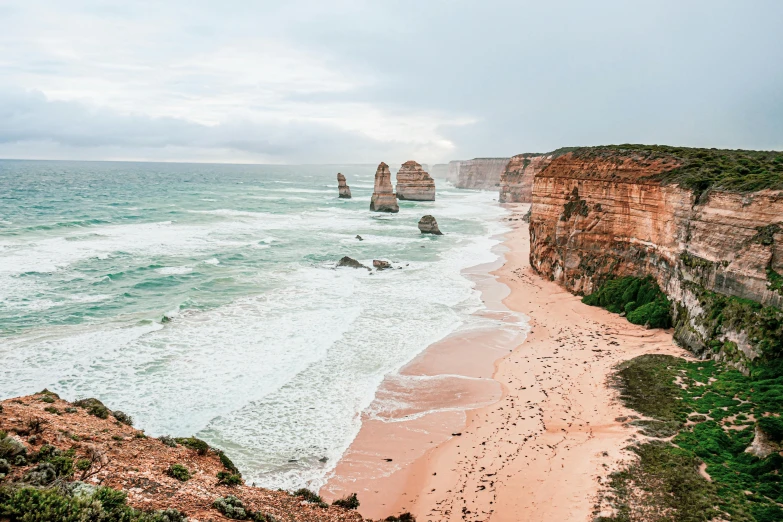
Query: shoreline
{"x": 456, "y": 373}
{"x": 554, "y": 406}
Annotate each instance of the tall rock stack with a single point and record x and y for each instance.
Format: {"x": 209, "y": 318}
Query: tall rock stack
{"x": 383, "y": 197}
{"x": 342, "y": 186}
{"x": 414, "y": 184}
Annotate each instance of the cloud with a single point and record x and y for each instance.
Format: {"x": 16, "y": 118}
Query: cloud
{"x": 344, "y": 81}
{"x": 66, "y": 127}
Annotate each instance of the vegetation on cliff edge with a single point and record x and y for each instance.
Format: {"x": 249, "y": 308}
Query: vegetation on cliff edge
{"x": 699, "y": 169}
{"x": 715, "y": 410}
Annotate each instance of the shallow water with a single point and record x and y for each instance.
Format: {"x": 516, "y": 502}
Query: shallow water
{"x": 271, "y": 353}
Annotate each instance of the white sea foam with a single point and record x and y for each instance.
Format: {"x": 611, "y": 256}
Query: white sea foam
{"x": 280, "y": 373}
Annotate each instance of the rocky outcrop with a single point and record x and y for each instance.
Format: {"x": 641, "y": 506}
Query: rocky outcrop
{"x": 762, "y": 445}
{"x": 478, "y": 173}
{"x": 380, "y": 264}
{"x": 516, "y": 181}
{"x": 342, "y": 187}
{"x": 69, "y": 451}
{"x": 428, "y": 225}
{"x": 717, "y": 252}
{"x": 383, "y": 197}
{"x": 350, "y": 262}
{"x": 414, "y": 183}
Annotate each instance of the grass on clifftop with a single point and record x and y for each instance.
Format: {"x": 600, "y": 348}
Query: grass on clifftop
{"x": 640, "y": 299}
{"x": 715, "y": 410}
{"x": 701, "y": 169}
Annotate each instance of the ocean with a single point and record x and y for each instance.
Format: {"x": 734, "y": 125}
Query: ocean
{"x": 204, "y": 299}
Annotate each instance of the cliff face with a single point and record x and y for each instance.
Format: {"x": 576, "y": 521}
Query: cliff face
{"x": 716, "y": 253}
{"x": 516, "y": 181}
{"x": 478, "y": 173}
{"x": 414, "y": 183}
{"x": 383, "y": 197}
{"x": 439, "y": 170}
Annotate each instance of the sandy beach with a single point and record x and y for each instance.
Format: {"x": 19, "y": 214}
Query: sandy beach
{"x": 532, "y": 443}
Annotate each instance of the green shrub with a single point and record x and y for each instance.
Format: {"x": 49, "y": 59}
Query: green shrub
{"x": 123, "y": 417}
{"x": 30, "y": 504}
{"x": 231, "y": 507}
{"x": 640, "y": 299}
{"x": 309, "y": 496}
{"x": 10, "y": 448}
{"x": 773, "y": 427}
{"x": 228, "y": 479}
{"x": 179, "y": 472}
{"x": 93, "y": 407}
{"x": 168, "y": 441}
{"x": 83, "y": 464}
{"x": 403, "y": 517}
{"x": 228, "y": 464}
{"x": 349, "y": 502}
{"x": 193, "y": 443}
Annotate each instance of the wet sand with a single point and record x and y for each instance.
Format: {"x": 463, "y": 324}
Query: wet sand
{"x": 541, "y": 435}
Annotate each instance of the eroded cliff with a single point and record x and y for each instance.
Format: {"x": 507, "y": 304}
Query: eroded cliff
{"x": 706, "y": 224}
{"x": 477, "y": 173}
{"x": 516, "y": 181}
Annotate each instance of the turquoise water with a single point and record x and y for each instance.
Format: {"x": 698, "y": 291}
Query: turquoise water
{"x": 271, "y": 353}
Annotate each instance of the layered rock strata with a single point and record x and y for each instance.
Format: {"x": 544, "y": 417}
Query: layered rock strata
{"x": 478, "y": 173}
{"x": 516, "y": 181}
{"x": 599, "y": 213}
{"x": 414, "y": 183}
{"x": 428, "y": 225}
{"x": 383, "y": 197}
{"x": 342, "y": 187}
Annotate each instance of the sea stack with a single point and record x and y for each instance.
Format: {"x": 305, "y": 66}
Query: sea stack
{"x": 342, "y": 186}
{"x": 414, "y": 183}
{"x": 428, "y": 225}
{"x": 383, "y": 197}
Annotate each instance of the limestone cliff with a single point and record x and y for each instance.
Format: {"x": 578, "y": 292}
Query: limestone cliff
{"x": 383, "y": 197}
{"x": 439, "y": 170}
{"x": 516, "y": 181}
{"x": 414, "y": 183}
{"x": 478, "y": 173}
{"x": 342, "y": 187}
{"x": 707, "y": 224}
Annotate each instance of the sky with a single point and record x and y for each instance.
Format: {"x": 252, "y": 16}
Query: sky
{"x": 249, "y": 81}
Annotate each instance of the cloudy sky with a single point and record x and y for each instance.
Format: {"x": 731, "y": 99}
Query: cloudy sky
{"x": 364, "y": 81}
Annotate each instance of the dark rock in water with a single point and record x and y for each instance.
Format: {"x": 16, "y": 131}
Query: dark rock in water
{"x": 323, "y": 459}
{"x": 360, "y": 238}
{"x": 428, "y": 225}
{"x": 165, "y": 319}
{"x": 342, "y": 187}
{"x": 380, "y": 264}
{"x": 383, "y": 197}
{"x": 351, "y": 263}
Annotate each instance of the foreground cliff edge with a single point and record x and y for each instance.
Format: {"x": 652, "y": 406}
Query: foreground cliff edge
{"x": 62, "y": 461}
